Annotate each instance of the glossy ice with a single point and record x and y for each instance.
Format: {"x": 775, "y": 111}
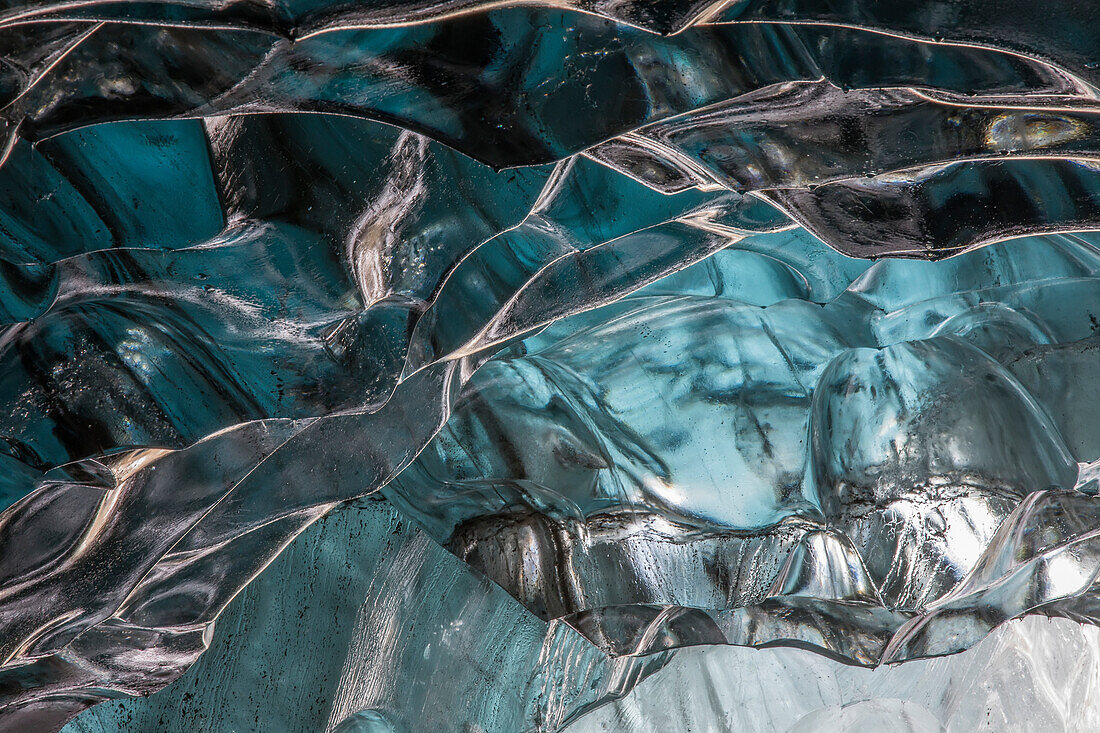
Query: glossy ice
{"x": 606, "y": 297}
{"x": 722, "y": 460}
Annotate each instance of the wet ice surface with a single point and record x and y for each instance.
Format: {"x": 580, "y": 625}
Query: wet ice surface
{"x": 719, "y": 460}
{"x": 1030, "y": 674}
{"x": 369, "y": 580}
{"x": 684, "y": 324}
{"x": 366, "y": 621}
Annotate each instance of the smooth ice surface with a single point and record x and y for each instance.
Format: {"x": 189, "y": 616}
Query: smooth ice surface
{"x": 870, "y": 473}
{"x": 768, "y": 322}
{"x": 1033, "y": 674}
{"x": 347, "y": 617}
{"x": 365, "y": 624}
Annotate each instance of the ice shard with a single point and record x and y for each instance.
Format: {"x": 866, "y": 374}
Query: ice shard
{"x": 504, "y": 364}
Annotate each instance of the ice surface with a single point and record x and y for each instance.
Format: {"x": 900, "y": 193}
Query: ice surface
{"x": 365, "y": 614}
{"x": 866, "y": 474}
{"x": 685, "y": 324}
{"x": 1032, "y": 674}
{"x": 365, "y": 621}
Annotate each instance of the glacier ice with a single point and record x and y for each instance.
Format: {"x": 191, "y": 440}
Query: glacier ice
{"x": 365, "y": 577}
{"x": 696, "y": 468}
{"x": 587, "y": 332}
{"x": 366, "y": 624}
{"x": 1030, "y": 674}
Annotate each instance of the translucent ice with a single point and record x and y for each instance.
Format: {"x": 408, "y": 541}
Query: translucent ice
{"x": 755, "y": 323}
